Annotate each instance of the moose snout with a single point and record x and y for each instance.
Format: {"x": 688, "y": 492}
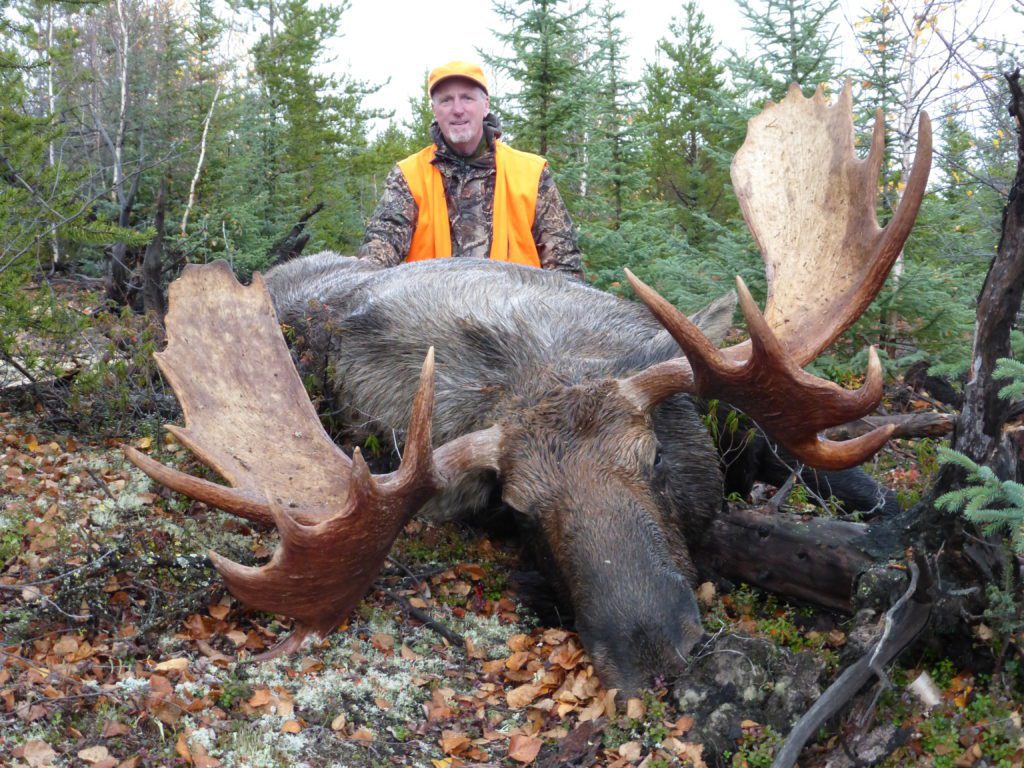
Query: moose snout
{"x": 630, "y": 649}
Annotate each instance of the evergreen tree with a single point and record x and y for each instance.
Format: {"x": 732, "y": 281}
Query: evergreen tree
{"x": 794, "y": 43}
{"x": 613, "y": 178}
{"x": 549, "y": 69}
{"x": 315, "y": 123}
{"x": 687, "y": 130}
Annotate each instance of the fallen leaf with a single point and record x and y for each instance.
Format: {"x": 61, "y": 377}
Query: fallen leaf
{"x": 471, "y": 570}
{"x": 65, "y": 646}
{"x": 339, "y": 723}
{"x": 453, "y": 742}
{"x": 681, "y": 726}
{"x": 260, "y": 698}
{"x": 181, "y": 747}
{"x": 635, "y": 709}
{"x": 291, "y": 726}
{"x": 114, "y": 728}
{"x": 212, "y": 653}
{"x": 38, "y": 754}
{"x": 172, "y": 665}
{"x": 524, "y": 749}
{"x": 631, "y": 750}
{"x": 519, "y": 697}
{"x": 93, "y": 755}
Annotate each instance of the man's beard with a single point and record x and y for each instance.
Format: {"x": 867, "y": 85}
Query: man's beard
{"x": 460, "y": 134}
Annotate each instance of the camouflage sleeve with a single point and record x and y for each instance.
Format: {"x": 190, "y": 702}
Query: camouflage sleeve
{"x": 553, "y": 231}
{"x": 389, "y": 231}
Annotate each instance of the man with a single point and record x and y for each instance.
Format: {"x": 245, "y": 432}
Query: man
{"x": 469, "y": 194}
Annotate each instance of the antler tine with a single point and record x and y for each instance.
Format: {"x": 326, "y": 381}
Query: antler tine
{"x": 418, "y": 458}
{"x": 237, "y": 502}
{"x": 319, "y": 572}
{"x": 761, "y": 379}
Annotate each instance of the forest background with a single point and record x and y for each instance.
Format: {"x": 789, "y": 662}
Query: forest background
{"x": 136, "y": 137}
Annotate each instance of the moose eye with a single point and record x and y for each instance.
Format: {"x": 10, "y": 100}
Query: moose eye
{"x": 657, "y": 456}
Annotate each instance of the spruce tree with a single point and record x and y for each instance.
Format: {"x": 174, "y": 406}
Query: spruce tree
{"x": 686, "y": 124}
{"x": 794, "y": 43}
{"x": 315, "y": 124}
{"x": 613, "y": 176}
{"x": 548, "y": 70}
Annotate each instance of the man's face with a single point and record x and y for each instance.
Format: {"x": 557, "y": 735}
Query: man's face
{"x": 460, "y": 107}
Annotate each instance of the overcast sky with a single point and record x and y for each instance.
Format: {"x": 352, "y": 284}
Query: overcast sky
{"x": 402, "y": 39}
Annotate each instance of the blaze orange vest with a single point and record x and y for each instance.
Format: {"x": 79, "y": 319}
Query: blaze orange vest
{"x": 515, "y": 204}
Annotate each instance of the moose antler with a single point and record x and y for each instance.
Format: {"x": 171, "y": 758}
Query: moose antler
{"x": 810, "y": 205}
{"x": 248, "y": 417}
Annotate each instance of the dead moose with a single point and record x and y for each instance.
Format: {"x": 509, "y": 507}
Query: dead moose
{"x": 578, "y": 405}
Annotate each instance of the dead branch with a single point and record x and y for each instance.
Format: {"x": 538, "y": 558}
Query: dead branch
{"x": 908, "y": 425}
{"x": 907, "y": 617}
{"x": 291, "y": 245}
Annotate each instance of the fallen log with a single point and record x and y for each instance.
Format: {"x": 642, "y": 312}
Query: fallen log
{"x": 815, "y": 559}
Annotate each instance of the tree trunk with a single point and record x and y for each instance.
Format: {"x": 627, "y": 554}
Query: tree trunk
{"x": 980, "y": 431}
{"x": 152, "y": 291}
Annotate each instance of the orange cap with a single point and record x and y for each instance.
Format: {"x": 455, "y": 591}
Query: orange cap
{"x": 464, "y": 69}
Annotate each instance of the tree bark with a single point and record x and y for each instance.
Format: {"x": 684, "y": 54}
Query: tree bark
{"x": 979, "y": 433}
{"x": 152, "y": 292}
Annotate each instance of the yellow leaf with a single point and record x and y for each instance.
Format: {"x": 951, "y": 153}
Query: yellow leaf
{"x": 172, "y": 665}
{"x": 144, "y": 443}
{"x": 445, "y": 763}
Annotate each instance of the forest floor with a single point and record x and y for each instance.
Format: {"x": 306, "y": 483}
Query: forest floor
{"x": 120, "y": 647}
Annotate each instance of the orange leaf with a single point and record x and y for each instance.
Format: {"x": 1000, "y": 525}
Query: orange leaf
{"x": 291, "y": 726}
{"x": 260, "y": 698}
{"x": 181, "y": 747}
{"x": 453, "y": 742}
{"x": 114, "y": 728}
{"x": 524, "y": 749}
{"x": 172, "y": 665}
{"x": 519, "y": 697}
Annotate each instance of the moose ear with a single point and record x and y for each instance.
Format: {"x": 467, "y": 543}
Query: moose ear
{"x": 715, "y": 319}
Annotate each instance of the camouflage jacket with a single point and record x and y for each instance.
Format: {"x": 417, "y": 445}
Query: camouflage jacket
{"x": 469, "y": 193}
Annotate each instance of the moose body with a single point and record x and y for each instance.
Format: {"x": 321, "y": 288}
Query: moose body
{"x": 611, "y": 499}
{"x": 575, "y": 404}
